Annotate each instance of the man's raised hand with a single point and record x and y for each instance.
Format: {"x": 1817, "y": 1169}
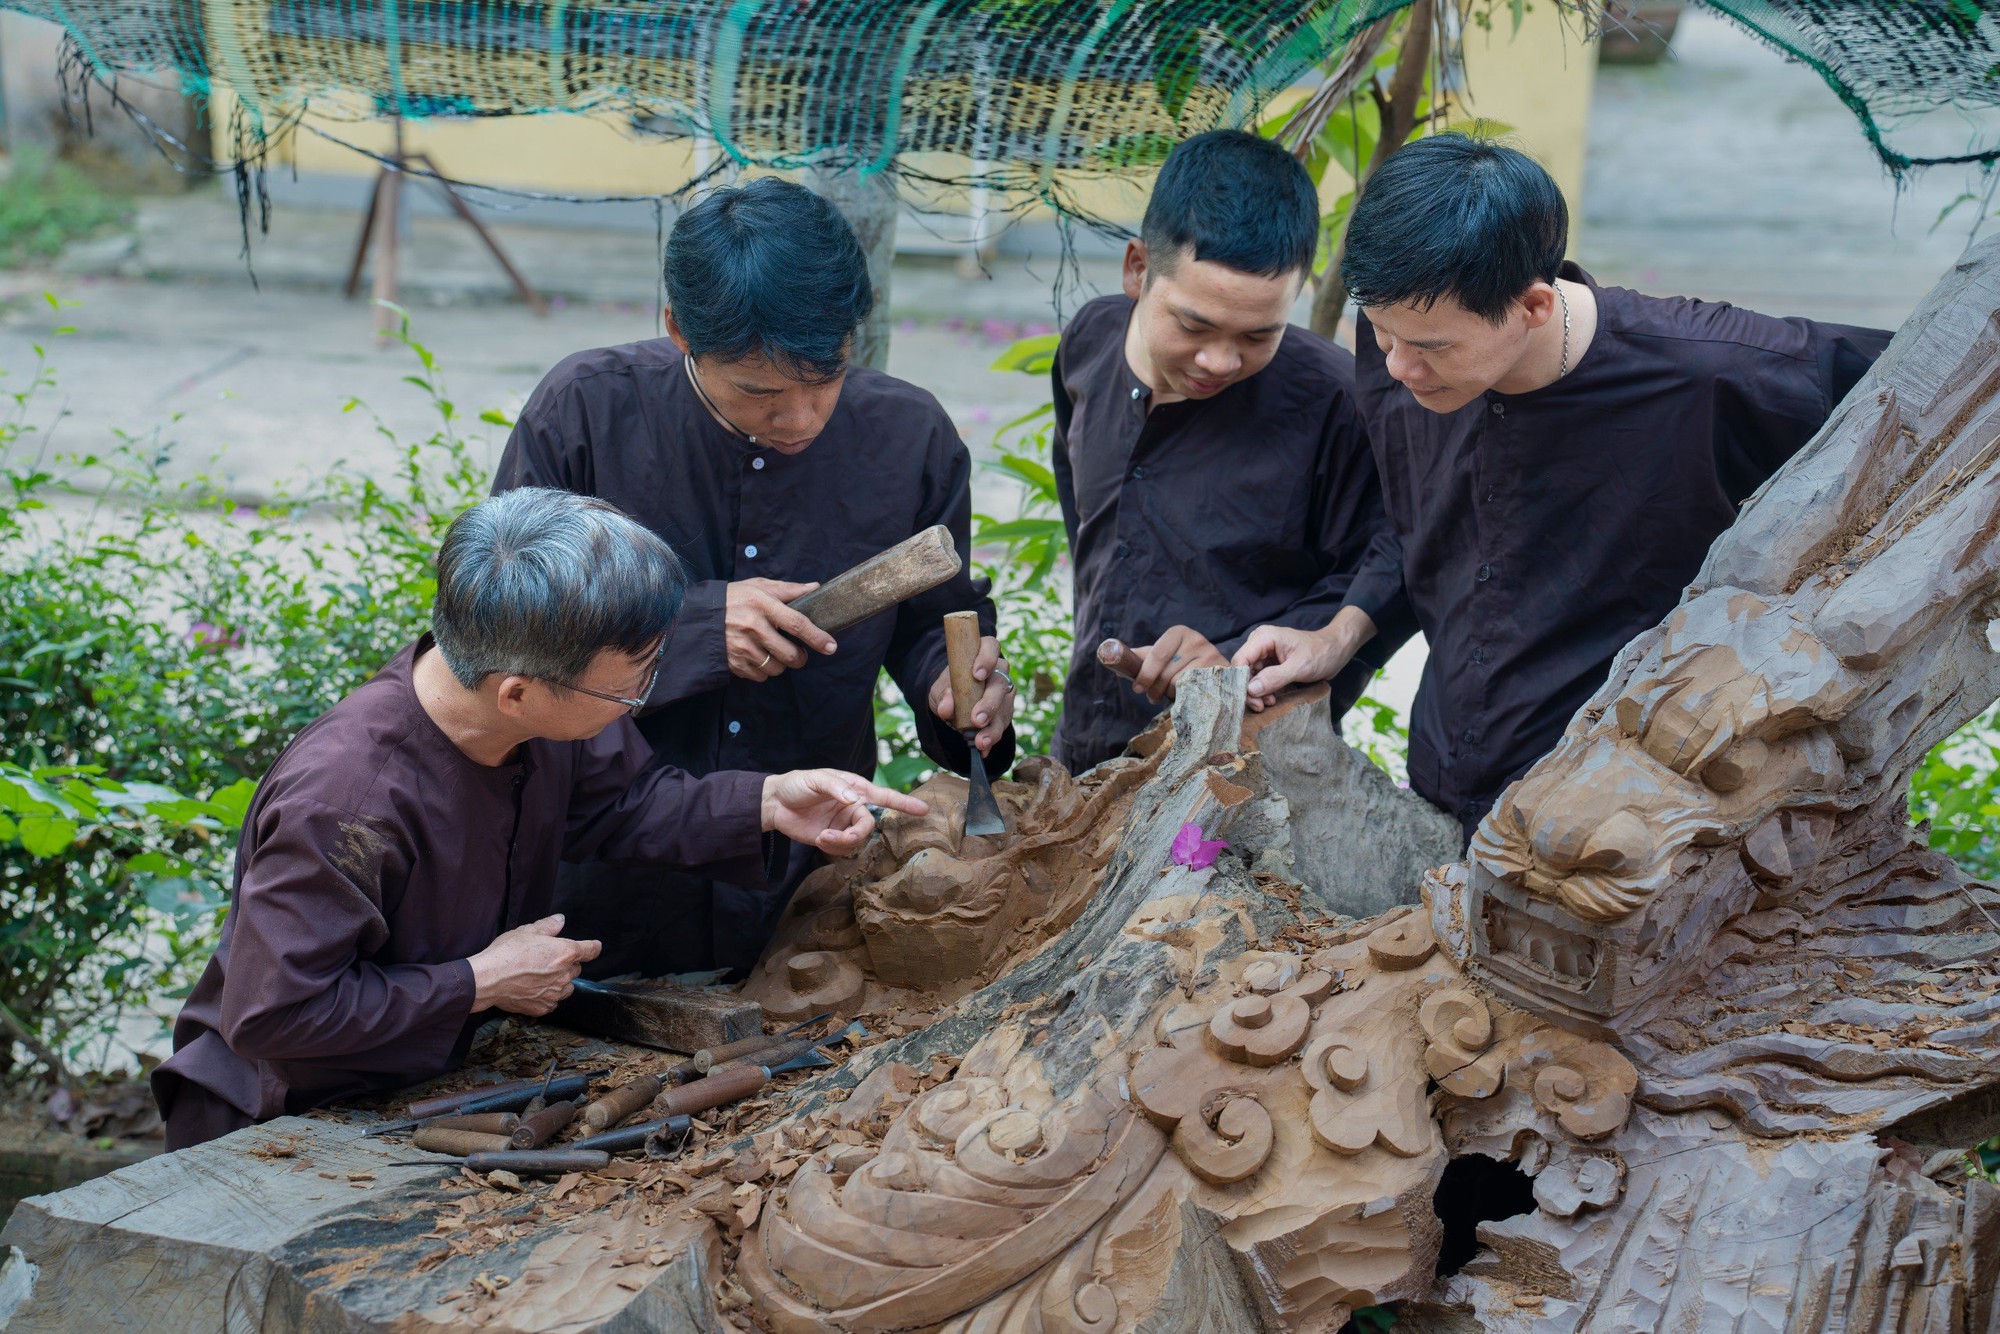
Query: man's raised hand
{"x": 763, "y": 634}
{"x": 828, "y": 808}
{"x": 529, "y": 969}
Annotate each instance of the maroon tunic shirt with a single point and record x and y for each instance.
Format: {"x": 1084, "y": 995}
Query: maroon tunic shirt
{"x": 1220, "y": 514}
{"x": 376, "y": 858}
{"x": 1536, "y": 534}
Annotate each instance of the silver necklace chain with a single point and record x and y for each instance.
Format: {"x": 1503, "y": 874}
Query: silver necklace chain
{"x": 1564, "y": 298}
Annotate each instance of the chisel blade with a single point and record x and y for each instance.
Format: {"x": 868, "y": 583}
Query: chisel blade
{"x": 982, "y": 811}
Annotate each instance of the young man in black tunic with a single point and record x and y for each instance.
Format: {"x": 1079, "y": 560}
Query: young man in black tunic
{"x": 768, "y": 463}
{"x": 1556, "y": 456}
{"x": 1211, "y": 465}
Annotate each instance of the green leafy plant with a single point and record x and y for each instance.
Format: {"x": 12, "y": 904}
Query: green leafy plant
{"x": 158, "y": 638}
{"x": 1957, "y": 789}
{"x": 45, "y": 203}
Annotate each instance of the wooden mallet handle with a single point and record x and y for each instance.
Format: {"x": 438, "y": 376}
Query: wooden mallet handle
{"x": 961, "y": 646}
{"x": 914, "y": 565}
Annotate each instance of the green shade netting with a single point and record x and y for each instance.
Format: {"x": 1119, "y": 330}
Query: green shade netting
{"x": 1037, "y": 89}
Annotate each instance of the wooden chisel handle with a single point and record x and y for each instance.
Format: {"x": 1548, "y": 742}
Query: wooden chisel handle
{"x": 618, "y": 1104}
{"x": 1119, "y": 657}
{"x": 716, "y": 1090}
{"x": 914, "y": 565}
{"x": 961, "y": 646}
{"x": 459, "y": 1142}
{"x": 708, "y": 1058}
{"x": 482, "y": 1123}
{"x": 538, "y": 1129}
{"x": 539, "y": 1162}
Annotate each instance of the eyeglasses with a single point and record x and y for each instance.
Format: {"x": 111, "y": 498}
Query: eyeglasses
{"x": 634, "y": 703}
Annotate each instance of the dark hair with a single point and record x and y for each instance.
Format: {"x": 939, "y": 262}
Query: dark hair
{"x": 1453, "y": 216}
{"x": 768, "y": 269}
{"x": 539, "y": 582}
{"x": 1236, "y": 199}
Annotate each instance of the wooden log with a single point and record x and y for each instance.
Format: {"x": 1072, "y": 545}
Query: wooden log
{"x": 660, "y": 1014}
{"x": 915, "y": 565}
{"x": 217, "y": 1237}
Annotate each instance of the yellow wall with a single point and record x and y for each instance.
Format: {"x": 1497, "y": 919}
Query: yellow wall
{"x": 1537, "y": 81}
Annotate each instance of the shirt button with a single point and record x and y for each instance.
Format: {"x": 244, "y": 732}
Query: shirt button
{"x": 1137, "y": 393}
{"x": 1479, "y": 655}
{"x": 1110, "y": 631}
{"x": 1466, "y": 736}
{"x": 734, "y": 727}
{"x": 1124, "y": 549}
{"x": 757, "y": 463}
{"x": 1485, "y": 572}
{"x": 750, "y": 550}
{"x": 1499, "y": 409}
{"x": 1138, "y": 472}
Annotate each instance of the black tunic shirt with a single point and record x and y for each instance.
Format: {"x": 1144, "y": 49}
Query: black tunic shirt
{"x": 1535, "y": 534}
{"x": 624, "y": 424}
{"x": 1222, "y": 514}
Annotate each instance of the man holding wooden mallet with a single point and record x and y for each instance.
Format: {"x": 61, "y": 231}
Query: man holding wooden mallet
{"x": 746, "y": 440}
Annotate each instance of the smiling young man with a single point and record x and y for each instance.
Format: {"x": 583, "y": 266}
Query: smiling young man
{"x": 395, "y": 873}
{"x": 1556, "y": 457}
{"x": 1212, "y": 468}
{"x": 746, "y": 440}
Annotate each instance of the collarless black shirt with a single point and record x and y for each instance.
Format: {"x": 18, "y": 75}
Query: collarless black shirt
{"x": 625, "y": 424}
{"x": 1255, "y": 506}
{"x": 1535, "y": 534}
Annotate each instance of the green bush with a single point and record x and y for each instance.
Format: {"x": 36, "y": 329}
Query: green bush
{"x": 45, "y": 203}
{"x": 159, "y": 639}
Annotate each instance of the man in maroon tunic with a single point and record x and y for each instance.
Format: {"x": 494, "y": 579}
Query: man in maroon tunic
{"x": 396, "y": 871}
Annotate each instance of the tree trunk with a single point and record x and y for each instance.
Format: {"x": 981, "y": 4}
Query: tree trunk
{"x": 1399, "y": 121}
{"x": 869, "y": 204}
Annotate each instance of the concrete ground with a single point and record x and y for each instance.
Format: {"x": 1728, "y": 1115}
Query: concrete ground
{"x": 1724, "y": 174}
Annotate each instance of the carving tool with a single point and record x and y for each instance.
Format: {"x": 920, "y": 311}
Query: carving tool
{"x": 425, "y": 1108}
{"x": 538, "y": 1128}
{"x": 961, "y": 646}
{"x": 480, "y": 1123}
{"x": 509, "y": 1099}
{"x": 458, "y": 1142}
{"x": 709, "y": 1057}
{"x": 541, "y": 1099}
{"x": 727, "y": 1086}
{"x": 1119, "y": 657}
{"x": 780, "y": 1052}
{"x": 635, "y": 1137}
{"x": 530, "y": 1162}
{"x": 914, "y": 565}
{"x": 618, "y": 1104}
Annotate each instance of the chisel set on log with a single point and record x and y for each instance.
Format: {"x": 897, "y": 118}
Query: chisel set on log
{"x": 509, "y": 1126}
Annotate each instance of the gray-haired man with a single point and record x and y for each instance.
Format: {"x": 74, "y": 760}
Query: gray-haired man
{"x": 396, "y": 869}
